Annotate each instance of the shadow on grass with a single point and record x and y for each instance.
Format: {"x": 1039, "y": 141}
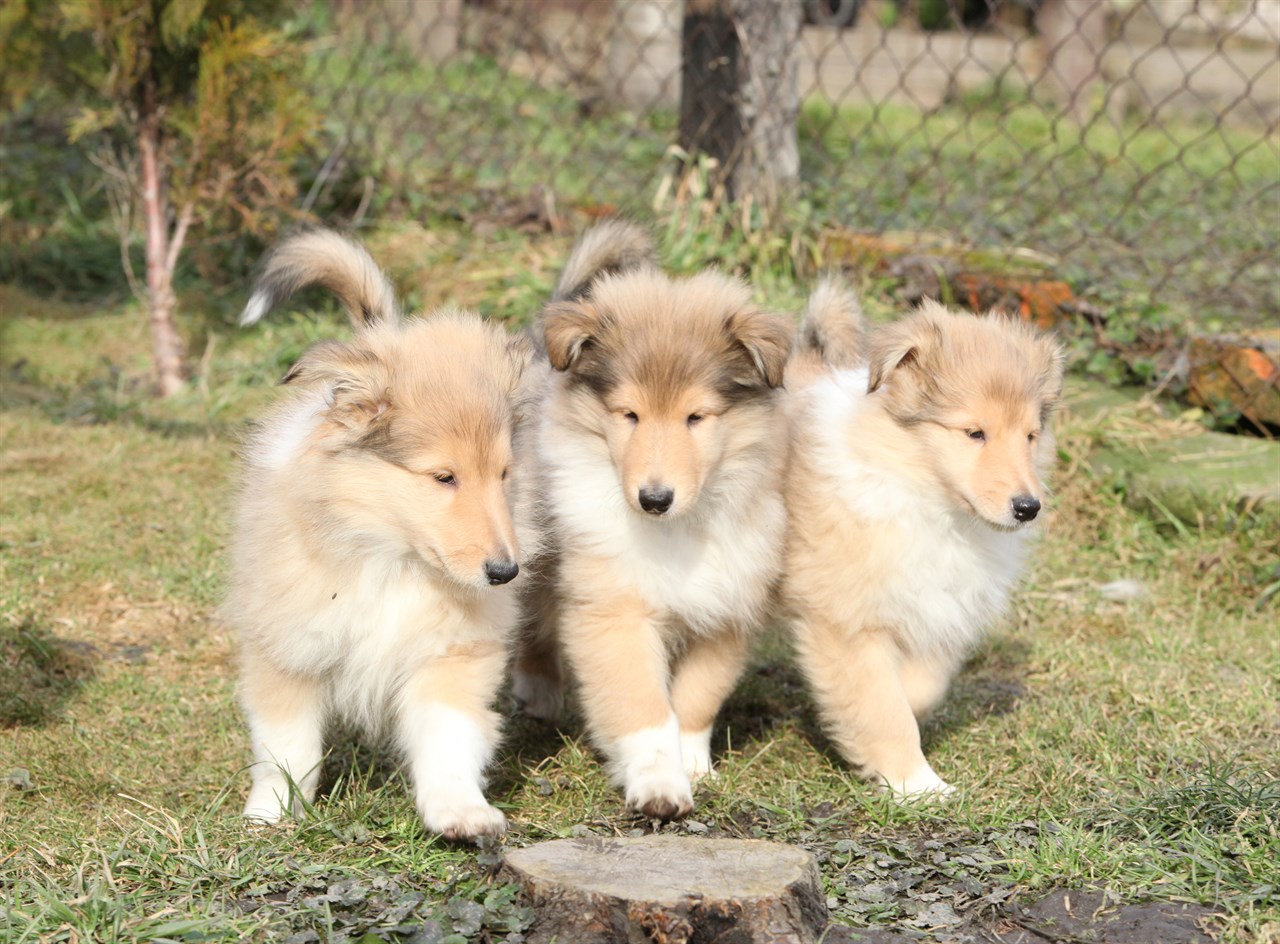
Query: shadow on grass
{"x": 989, "y": 686}
{"x": 527, "y": 741}
{"x": 39, "y": 673}
{"x": 774, "y": 690}
{"x": 356, "y": 761}
{"x": 109, "y": 397}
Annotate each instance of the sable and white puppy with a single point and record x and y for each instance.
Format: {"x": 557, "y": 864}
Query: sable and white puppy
{"x": 660, "y": 453}
{"x": 380, "y": 530}
{"x": 916, "y": 471}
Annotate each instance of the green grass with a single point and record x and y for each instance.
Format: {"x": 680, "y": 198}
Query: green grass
{"x": 1127, "y": 746}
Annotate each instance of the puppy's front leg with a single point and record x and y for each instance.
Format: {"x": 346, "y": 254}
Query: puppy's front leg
{"x": 449, "y": 734}
{"x": 620, "y": 661}
{"x": 704, "y": 677}
{"x": 286, "y": 724}
{"x": 857, "y": 679}
{"x": 537, "y": 678}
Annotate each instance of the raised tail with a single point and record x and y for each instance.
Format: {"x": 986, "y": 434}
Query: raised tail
{"x": 322, "y": 257}
{"x": 609, "y": 247}
{"x": 834, "y": 328}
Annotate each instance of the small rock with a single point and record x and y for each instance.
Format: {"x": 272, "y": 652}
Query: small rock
{"x": 937, "y": 915}
{"x": 1122, "y": 591}
{"x": 20, "y": 779}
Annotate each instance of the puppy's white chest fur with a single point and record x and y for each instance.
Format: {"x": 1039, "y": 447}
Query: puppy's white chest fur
{"x": 710, "y": 567}
{"x": 381, "y": 622}
{"x": 949, "y": 574}
{"x": 952, "y": 581}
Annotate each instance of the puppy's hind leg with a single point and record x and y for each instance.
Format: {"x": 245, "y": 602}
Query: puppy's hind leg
{"x": 537, "y": 677}
{"x": 449, "y": 734}
{"x": 925, "y": 682}
{"x": 858, "y": 684}
{"x": 286, "y": 725}
{"x": 704, "y": 677}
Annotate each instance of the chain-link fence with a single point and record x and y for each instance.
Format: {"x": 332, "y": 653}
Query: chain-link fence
{"x": 1098, "y": 152}
{"x": 1067, "y": 158}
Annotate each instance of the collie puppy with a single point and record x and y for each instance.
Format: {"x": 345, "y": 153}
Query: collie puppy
{"x": 379, "y": 536}
{"x": 660, "y": 453}
{"x": 916, "y": 471}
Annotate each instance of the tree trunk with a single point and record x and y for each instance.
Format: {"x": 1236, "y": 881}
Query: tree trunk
{"x": 739, "y": 98}
{"x": 165, "y": 341}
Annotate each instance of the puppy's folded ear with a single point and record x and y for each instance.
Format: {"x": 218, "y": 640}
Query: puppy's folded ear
{"x": 904, "y": 345}
{"x": 528, "y": 376}
{"x": 357, "y": 381}
{"x": 766, "y": 338}
{"x": 567, "y": 327}
{"x": 1053, "y": 366}
{"x": 520, "y": 351}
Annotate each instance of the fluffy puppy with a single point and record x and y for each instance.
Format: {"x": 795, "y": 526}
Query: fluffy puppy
{"x": 916, "y": 471}
{"x": 380, "y": 529}
{"x": 659, "y": 450}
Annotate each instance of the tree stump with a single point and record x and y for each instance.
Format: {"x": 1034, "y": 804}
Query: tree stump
{"x": 669, "y": 890}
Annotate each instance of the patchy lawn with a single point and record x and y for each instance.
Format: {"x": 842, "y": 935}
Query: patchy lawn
{"x": 1116, "y": 741}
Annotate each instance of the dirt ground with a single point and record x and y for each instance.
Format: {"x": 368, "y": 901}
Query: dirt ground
{"x": 1074, "y": 916}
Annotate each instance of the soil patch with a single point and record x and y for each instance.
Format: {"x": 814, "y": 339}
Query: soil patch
{"x": 1094, "y": 916}
{"x": 1067, "y": 916}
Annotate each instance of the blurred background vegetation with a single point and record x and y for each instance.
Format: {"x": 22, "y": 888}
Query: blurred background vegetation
{"x": 1116, "y": 177}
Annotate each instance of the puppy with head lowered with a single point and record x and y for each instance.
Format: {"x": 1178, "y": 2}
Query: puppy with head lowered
{"x": 916, "y": 472}
{"x": 381, "y": 527}
{"x": 659, "y": 455}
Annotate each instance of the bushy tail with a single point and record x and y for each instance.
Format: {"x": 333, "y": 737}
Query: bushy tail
{"x": 322, "y": 257}
{"x": 834, "y": 328}
{"x": 608, "y": 247}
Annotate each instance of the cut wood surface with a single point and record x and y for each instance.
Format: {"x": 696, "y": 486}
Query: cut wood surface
{"x": 668, "y": 890}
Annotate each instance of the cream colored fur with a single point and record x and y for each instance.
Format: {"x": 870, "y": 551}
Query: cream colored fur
{"x": 903, "y": 541}
{"x": 661, "y": 387}
{"x": 380, "y": 509}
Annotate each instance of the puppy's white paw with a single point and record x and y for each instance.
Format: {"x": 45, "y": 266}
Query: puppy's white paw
{"x": 539, "y": 696}
{"x": 923, "y": 785}
{"x": 660, "y": 791}
{"x": 647, "y": 763}
{"x": 267, "y": 803}
{"x": 458, "y": 818}
{"x": 695, "y": 754}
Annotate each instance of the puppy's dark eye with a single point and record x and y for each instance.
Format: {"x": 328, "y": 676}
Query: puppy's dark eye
{"x": 976, "y": 435}
{"x": 505, "y": 473}
{"x": 694, "y": 419}
{"x": 445, "y": 478}
{"x": 630, "y": 416}
{"x": 1031, "y": 437}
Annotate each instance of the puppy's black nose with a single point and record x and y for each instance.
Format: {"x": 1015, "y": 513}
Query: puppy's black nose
{"x": 656, "y": 501}
{"x": 500, "y": 571}
{"x": 1025, "y": 507}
